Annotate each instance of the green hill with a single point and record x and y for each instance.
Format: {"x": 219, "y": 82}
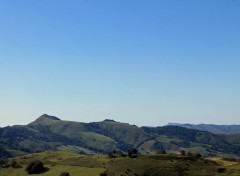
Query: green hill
{"x": 51, "y": 133}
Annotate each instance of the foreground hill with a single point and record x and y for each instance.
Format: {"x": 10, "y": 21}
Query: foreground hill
{"x": 51, "y": 133}
{"x": 219, "y": 129}
{"x": 143, "y": 165}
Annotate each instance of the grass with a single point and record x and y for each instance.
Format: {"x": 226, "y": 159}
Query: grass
{"x": 55, "y": 171}
{"x": 75, "y": 149}
{"x": 57, "y": 162}
{"x": 149, "y": 165}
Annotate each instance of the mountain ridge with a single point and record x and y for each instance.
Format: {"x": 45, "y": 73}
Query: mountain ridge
{"x": 52, "y": 133}
{"x": 213, "y": 128}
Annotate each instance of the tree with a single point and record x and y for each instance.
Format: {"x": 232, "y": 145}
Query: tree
{"x": 110, "y": 155}
{"x": 132, "y": 152}
{"x": 190, "y": 154}
{"x": 122, "y": 154}
{"x": 35, "y": 167}
{"x": 198, "y": 155}
{"x": 14, "y": 164}
{"x": 183, "y": 153}
{"x": 103, "y": 174}
{"x": 4, "y": 163}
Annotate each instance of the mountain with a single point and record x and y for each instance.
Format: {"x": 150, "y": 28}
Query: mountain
{"x": 51, "y": 133}
{"x": 44, "y": 119}
{"x": 219, "y": 129}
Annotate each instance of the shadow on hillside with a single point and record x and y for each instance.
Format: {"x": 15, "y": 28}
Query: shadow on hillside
{"x": 46, "y": 169}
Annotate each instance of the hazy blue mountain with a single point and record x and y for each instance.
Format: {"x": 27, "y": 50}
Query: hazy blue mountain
{"x": 219, "y": 129}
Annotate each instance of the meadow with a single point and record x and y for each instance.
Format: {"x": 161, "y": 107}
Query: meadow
{"x": 143, "y": 165}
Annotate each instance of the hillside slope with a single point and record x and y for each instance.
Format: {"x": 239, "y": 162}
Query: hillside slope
{"x": 143, "y": 165}
{"x": 51, "y": 133}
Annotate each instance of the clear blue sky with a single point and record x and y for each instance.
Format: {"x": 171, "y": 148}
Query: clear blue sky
{"x": 145, "y": 62}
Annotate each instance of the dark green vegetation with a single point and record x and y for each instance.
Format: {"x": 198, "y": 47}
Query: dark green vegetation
{"x": 220, "y": 129}
{"x": 64, "y": 174}
{"x": 65, "y": 164}
{"x": 35, "y": 167}
{"x": 51, "y": 133}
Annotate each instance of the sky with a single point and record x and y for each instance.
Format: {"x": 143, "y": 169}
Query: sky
{"x": 143, "y": 62}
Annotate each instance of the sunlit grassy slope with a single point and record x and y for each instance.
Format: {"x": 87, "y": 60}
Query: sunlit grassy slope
{"x": 143, "y": 165}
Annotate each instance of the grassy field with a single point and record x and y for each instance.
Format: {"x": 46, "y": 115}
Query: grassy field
{"x": 143, "y": 165}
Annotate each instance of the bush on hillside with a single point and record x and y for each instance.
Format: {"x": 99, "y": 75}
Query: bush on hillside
{"x": 161, "y": 152}
{"x": 221, "y": 170}
{"x": 122, "y": 154}
{"x": 4, "y": 163}
{"x": 198, "y": 155}
{"x": 110, "y": 155}
{"x": 103, "y": 174}
{"x": 183, "y": 153}
{"x": 189, "y": 154}
{"x": 35, "y": 167}
{"x": 15, "y": 165}
{"x": 132, "y": 153}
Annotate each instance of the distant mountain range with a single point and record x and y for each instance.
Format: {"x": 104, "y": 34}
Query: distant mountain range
{"x": 218, "y": 129}
{"x": 51, "y": 133}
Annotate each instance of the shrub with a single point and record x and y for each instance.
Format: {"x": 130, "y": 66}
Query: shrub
{"x": 132, "y": 153}
{"x": 110, "y": 155}
{"x": 198, "y": 155}
{"x": 183, "y": 153}
{"x": 64, "y": 174}
{"x": 221, "y": 170}
{"x": 162, "y": 152}
{"x": 122, "y": 154}
{"x": 103, "y": 174}
{"x": 35, "y": 167}
{"x": 190, "y": 154}
{"x": 4, "y": 163}
{"x": 15, "y": 165}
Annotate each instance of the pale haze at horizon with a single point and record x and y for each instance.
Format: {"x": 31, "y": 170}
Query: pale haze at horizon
{"x": 141, "y": 62}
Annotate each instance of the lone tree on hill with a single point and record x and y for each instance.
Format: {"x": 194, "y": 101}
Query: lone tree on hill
{"x": 35, "y": 167}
